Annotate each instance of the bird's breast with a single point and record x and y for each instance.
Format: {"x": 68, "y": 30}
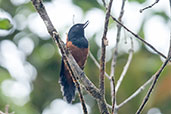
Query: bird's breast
{"x": 79, "y": 54}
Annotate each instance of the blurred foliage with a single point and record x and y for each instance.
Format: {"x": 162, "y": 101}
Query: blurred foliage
{"x": 139, "y": 1}
{"x": 46, "y": 87}
{"x": 87, "y": 4}
{"x": 5, "y": 24}
{"x": 162, "y": 14}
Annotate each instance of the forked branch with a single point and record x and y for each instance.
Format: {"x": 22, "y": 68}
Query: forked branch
{"x": 68, "y": 58}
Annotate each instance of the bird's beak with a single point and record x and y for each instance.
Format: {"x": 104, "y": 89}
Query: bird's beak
{"x": 85, "y": 24}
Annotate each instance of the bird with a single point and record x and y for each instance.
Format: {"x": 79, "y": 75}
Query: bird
{"x": 78, "y": 46}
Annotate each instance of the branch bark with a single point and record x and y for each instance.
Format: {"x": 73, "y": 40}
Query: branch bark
{"x": 138, "y": 91}
{"x": 138, "y": 37}
{"x": 103, "y": 52}
{"x": 125, "y": 68}
{"x": 150, "y": 6}
{"x": 97, "y": 64}
{"x": 114, "y": 59}
{"x": 156, "y": 76}
{"x": 68, "y": 58}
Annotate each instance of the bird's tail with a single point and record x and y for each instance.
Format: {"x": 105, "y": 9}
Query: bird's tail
{"x": 67, "y": 84}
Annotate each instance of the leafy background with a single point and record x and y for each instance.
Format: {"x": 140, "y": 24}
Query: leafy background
{"x": 37, "y": 89}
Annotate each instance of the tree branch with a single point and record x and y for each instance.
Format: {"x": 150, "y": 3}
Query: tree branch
{"x": 6, "y": 110}
{"x": 103, "y": 51}
{"x": 138, "y": 37}
{"x": 104, "y": 3}
{"x": 156, "y": 76}
{"x": 81, "y": 98}
{"x": 150, "y": 6}
{"x": 138, "y": 91}
{"x": 114, "y": 58}
{"x": 41, "y": 9}
{"x": 125, "y": 67}
{"x": 68, "y": 58}
{"x": 113, "y": 94}
{"x": 115, "y": 52}
{"x": 97, "y": 64}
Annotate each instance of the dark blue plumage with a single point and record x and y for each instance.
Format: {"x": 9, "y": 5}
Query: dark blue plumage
{"x": 78, "y": 46}
{"x": 76, "y": 35}
{"x": 68, "y": 86}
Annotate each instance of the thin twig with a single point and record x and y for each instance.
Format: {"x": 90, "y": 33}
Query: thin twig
{"x": 114, "y": 57}
{"x": 103, "y": 51}
{"x": 79, "y": 91}
{"x": 115, "y": 52}
{"x": 97, "y": 64}
{"x": 81, "y": 99}
{"x": 150, "y": 6}
{"x": 138, "y": 37}
{"x": 6, "y": 110}
{"x": 114, "y": 95}
{"x": 170, "y": 6}
{"x": 104, "y": 3}
{"x": 169, "y": 53}
{"x": 125, "y": 67}
{"x": 42, "y": 11}
{"x": 156, "y": 76}
{"x": 138, "y": 91}
{"x": 66, "y": 54}
{"x": 68, "y": 58}
{"x": 73, "y": 19}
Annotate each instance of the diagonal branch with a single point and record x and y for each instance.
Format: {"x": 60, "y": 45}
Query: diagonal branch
{"x": 138, "y": 37}
{"x": 125, "y": 67}
{"x": 114, "y": 59}
{"x": 97, "y": 64}
{"x": 68, "y": 58}
{"x": 81, "y": 97}
{"x": 103, "y": 51}
{"x": 156, "y": 76}
{"x": 115, "y": 52}
{"x": 104, "y": 3}
{"x": 150, "y": 6}
{"x": 112, "y": 84}
{"x": 141, "y": 88}
{"x": 138, "y": 91}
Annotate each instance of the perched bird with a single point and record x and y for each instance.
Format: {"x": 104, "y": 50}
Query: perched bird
{"x": 78, "y": 46}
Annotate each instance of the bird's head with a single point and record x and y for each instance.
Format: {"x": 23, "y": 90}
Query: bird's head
{"x": 77, "y": 30}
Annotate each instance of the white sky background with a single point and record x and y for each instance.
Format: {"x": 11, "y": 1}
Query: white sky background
{"x": 61, "y": 13}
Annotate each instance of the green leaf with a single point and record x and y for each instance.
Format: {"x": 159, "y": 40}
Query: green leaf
{"x": 5, "y": 24}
